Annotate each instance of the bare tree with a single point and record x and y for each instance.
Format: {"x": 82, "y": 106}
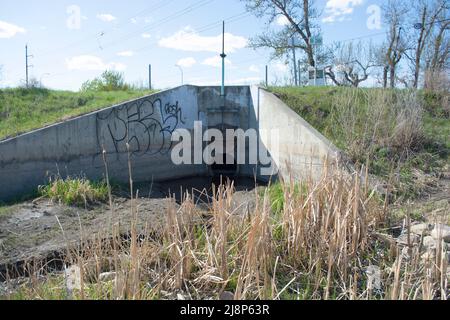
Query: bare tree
{"x": 351, "y": 63}
{"x": 396, "y": 45}
{"x": 440, "y": 45}
{"x": 422, "y": 24}
{"x": 300, "y": 16}
{"x": 437, "y": 52}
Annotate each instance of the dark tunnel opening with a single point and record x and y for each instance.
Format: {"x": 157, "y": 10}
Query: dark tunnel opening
{"x": 226, "y": 167}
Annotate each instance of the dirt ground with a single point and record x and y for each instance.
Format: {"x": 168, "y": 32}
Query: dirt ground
{"x": 431, "y": 208}
{"x": 39, "y": 229}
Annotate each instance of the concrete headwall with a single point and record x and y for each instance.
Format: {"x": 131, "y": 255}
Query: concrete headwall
{"x": 76, "y": 146}
{"x": 144, "y": 128}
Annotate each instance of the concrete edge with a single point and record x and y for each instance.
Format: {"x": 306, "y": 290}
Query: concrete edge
{"x": 321, "y": 137}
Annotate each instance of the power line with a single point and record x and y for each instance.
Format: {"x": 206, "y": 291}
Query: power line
{"x": 363, "y": 37}
{"x": 160, "y": 5}
{"x": 210, "y": 26}
{"x": 169, "y": 18}
{"x": 205, "y": 28}
{"x": 207, "y": 69}
{"x": 160, "y": 22}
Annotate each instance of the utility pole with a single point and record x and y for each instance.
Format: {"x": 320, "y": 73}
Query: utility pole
{"x": 182, "y": 73}
{"x": 267, "y": 76}
{"x": 295, "y": 62}
{"x": 223, "y": 56}
{"x": 150, "y": 77}
{"x": 27, "y": 66}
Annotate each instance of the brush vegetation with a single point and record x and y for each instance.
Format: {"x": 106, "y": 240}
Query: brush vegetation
{"x": 322, "y": 243}
{"x": 74, "y": 191}
{"x": 401, "y": 135}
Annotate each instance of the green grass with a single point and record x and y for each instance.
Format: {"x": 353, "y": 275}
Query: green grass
{"x": 23, "y": 110}
{"x": 75, "y": 191}
{"x": 311, "y": 103}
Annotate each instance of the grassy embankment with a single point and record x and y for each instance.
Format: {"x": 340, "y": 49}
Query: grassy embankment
{"x": 22, "y": 110}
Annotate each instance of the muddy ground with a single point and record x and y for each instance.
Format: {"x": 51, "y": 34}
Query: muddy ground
{"x": 41, "y": 229}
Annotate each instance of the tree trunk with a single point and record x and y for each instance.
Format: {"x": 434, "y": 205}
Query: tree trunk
{"x": 392, "y": 76}
{"x": 385, "y": 76}
{"x": 416, "y": 72}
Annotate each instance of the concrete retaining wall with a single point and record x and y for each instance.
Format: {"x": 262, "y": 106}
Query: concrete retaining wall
{"x": 75, "y": 147}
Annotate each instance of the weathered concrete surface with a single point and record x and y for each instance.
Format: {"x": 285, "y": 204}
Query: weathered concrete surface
{"x": 76, "y": 146}
{"x": 298, "y": 150}
{"x": 140, "y": 131}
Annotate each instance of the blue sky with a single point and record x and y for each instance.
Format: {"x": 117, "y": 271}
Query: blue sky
{"x": 73, "y": 41}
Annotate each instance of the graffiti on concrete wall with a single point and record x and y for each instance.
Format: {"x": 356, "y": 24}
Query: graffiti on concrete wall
{"x": 146, "y": 126}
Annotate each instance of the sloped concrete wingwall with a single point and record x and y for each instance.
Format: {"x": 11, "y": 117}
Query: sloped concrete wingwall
{"x": 298, "y": 150}
{"x": 76, "y": 146}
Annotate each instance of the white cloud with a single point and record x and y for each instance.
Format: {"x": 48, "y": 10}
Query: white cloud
{"x": 92, "y": 63}
{"x": 282, "y": 21}
{"x": 186, "y": 62}
{"x": 281, "y": 67}
{"x": 338, "y": 10}
{"x": 146, "y": 35}
{"x": 237, "y": 81}
{"x": 243, "y": 81}
{"x": 106, "y": 17}
{"x": 188, "y": 40}
{"x": 128, "y": 53}
{"x": 133, "y": 20}
{"x": 253, "y": 68}
{"x": 216, "y": 62}
{"x": 8, "y": 30}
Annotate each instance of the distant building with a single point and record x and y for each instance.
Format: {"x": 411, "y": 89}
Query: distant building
{"x": 316, "y": 76}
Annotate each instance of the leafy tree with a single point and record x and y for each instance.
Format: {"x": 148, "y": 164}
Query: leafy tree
{"x": 108, "y": 81}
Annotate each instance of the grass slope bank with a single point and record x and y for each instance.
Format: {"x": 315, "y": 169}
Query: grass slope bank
{"x": 402, "y": 135}
{"x": 23, "y": 110}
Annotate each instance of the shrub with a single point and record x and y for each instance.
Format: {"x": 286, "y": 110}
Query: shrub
{"x": 108, "y": 81}
{"x": 75, "y": 191}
